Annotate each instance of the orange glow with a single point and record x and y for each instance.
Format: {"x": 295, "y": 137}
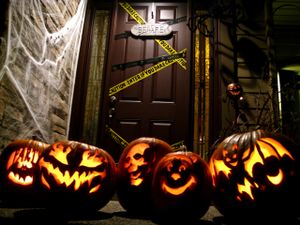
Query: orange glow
{"x": 44, "y": 181}
{"x": 136, "y": 179}
{"x": 23, "y": 159}
{"x": 60, "y": 153}
{"x": 267, "y": 150}
{"x": 219, "y": 166}
{"x": 276, "y": 179}
{"x": 279, "y": 148}
{"x": 90, "y": 161}
{"x": 67, "y": 179}
{"x": 14, "y": 177}
{"x": 231, "y": 156}
{"x": 178, "y": 191}
{"x": 261, "y": 152}
{"x": 253, "y": 159}
{"x": 135, "y": 161}
{"x": 246, "y": 188}
{"x": 175, "y": 176}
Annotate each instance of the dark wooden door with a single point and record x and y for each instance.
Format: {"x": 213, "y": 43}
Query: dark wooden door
{"x": 159, "y": 105}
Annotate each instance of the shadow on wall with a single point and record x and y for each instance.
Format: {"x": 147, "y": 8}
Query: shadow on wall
{"x": 255, "y": 58}
{"x": 3, "y": 10}
{"x": 249, "y": 62}
{"x": 290, "y": 97}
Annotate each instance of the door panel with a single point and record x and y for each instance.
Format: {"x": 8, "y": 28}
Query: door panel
{"x": 159, "y": 105}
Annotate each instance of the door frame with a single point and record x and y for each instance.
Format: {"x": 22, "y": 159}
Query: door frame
{"x": 81, "y": 81}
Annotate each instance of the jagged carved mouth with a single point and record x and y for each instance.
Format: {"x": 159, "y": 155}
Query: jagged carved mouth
{"x": 21, "y": 178}
{"x": 77, "y": 179}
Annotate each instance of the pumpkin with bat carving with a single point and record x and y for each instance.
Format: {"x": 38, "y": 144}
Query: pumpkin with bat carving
{"x": 135, "y": 171}
{"x": 256, "y": 175}
{"x": 182, "y": 186}
{"x": 76, "y": 176}
{"x": 18, "y": 171}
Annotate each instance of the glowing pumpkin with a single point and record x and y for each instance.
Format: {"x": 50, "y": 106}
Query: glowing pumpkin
{"x": 182, "y": 186}
{"x": 135, "y": 170}
{"x": 256, "y": 175}
{"x": 234, "y": 91}
{"x": 18, "y": 171}
{"x": 76, "y": 175}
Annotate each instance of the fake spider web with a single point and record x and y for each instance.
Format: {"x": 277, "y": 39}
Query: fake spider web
{"x": 39, "y": 67}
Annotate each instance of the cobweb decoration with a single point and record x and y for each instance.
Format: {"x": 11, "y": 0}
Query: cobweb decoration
{"x": 38, "y": 73}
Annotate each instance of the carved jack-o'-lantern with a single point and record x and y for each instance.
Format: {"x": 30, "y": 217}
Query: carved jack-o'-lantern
{"x": 18, "y": 168}
{"x": 77, "y": 175}
{"x": 234, "y": 91}
{"x": 256, "y": 174}
{"x": 182, "y": 186}
{"x": 135, "y": 170}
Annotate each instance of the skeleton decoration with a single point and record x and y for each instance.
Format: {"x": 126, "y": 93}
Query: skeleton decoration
{"x": 182, "y": 186}
{"x": 256, "y": 174}
{"x": 77, "y": 175}
{"x": 18, "y": 169}
{"x": 135, "y": 171}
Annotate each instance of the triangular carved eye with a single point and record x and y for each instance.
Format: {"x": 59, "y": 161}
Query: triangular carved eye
{"x": 60, "y": 154}
{"x": 90, "y": 160}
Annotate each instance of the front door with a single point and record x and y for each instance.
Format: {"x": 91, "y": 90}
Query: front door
{"x": 137, "y": 101}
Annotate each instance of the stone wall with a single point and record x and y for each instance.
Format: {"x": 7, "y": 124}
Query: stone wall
{"x": 38, "y": 68}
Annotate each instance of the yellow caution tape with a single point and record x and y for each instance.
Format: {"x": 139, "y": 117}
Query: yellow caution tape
{"x": 165, "y": 45}
{"x": 178, "y": 145}
{"x": 123, "y": 143}
{"x": 142, "y": 75}
{"x": 117, "y": 138}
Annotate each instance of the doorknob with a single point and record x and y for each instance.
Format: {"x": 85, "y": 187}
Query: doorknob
{"x": 113, "y": 101}
{"x": 112, "y": 106}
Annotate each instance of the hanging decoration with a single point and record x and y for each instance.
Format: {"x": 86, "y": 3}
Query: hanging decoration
{"x": 151, "y": 30}
{"x": 38, "y": 74}
{"x": 234, "y": 91}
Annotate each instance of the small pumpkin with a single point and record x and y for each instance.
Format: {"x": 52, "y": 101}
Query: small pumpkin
{"x": 135, "y": 171}
{"x": 77, "y": 176}
{"x": 18, "y": 171}
{"x": 182, "y": 186}
{"x": 234, "y": 91}
{"x": 256, "y": 175}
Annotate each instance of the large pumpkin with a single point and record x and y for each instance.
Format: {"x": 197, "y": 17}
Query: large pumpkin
{"x": 18, "y": 171}
{"x": 182, "y": 186}
{"x": 135, "y": 170}
{"x": 77, "y": 176}
{"x": 256, "y": 174}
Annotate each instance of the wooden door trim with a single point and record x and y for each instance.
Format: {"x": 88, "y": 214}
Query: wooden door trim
{"x": 81, "y": 81}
